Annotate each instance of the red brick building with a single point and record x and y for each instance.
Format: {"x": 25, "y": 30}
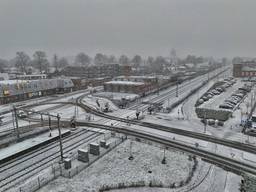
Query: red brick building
{"x": 244, "y": 69}
{"x": 139, "y": 88}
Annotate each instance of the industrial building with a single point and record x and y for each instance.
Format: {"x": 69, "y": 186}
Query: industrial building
{"x": 17, "y": 90}
{"x": 83, "y": 83}
{"x": 139, "y": 88}
{"x": 244, "y": 69}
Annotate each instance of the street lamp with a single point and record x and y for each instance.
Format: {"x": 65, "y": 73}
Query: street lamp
{"x": 49, "y": 120}
{"x": 16, "y": 121}
{"x": 60, "y": 137}
{"x": 177, "y": 88}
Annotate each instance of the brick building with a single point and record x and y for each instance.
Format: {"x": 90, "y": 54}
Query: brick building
{"x": 139, "y": 88}
{"x": 107, "y": 70}
{"x": 244, "y": 69}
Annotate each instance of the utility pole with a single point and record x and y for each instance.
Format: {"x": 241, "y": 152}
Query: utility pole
{"x": 205, "y": 121}
{"x": 49, "y": 119}
{"x": 16, "y": 122}
{"x": 131, "y": 156}
{"x": 164, "y": 158}
{"x": 177, "y": 89}
{"x": 60, "y": 138}
{"x": 42, "y": 120}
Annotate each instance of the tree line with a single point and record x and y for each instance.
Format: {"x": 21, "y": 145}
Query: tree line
{"x": 39, "y": 60}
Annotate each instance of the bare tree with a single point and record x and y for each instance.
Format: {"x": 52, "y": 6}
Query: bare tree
{"x": 40, "y": 61}
{"x": 100, "y": 59}
{"x": 63, "y": 62}
{"x": 112, "y": 59}
{"x": 137, "y": 61}
{"x": 82, "y": 59}
{"x": 158, "y": 64}
{"x": 123, "y": 60}
{"x": 3, "y": 64}
{"x": 22, "y": 61}
{"x": 56, "y": 62}
{"x": 150, "y": 60}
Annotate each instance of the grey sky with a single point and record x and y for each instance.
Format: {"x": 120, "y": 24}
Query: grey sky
{"x": 148, "y": 27}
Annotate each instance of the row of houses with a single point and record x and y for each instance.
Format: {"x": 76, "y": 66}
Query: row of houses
{"x": 108, "y": 70}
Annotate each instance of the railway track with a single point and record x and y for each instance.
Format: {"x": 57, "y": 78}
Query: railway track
{"x": 195, "y": 135}
{"x": 19, "y": 169}
{"x": 213, "y": 158}
{"x": 182, "y": 88}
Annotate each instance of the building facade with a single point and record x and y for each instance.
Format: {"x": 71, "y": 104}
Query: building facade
{"x": 244, "y": 69}
{"x": 18, "y": 90}
{"x": 139, "y": 88}
{"x": 107, "y": 70}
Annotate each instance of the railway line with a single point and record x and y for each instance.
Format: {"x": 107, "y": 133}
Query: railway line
{"x": 21, "y": 168}
{"x": 214, "y": 158}
{"x": 195, "y": 135}
{"x": 183, "y": 87}
{"x": 27, "y": 171}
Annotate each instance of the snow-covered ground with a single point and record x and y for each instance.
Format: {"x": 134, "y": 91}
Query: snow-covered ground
{"x": 117, "y": 96}
{"x": 115, "y": 168}
{"x": 17, "y": 147}
{"x": 99, "y": 103}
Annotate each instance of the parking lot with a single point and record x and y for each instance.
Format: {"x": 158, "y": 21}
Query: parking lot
{"x": 224, "y": 97}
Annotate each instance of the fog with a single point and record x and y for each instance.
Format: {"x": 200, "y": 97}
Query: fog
{"x": 146, "y": 27}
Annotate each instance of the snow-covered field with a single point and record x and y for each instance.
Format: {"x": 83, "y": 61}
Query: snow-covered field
{"x": 117, "y": 96}
{"x": 115, "y": 168}
{"x": 92, "y": 101}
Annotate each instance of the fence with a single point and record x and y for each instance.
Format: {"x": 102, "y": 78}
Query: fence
{"x": 56, "y": 170}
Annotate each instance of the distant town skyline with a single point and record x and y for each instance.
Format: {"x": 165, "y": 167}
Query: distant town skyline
{"x": 221, "y": 28}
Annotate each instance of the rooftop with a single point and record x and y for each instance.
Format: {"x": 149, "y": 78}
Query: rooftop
{"x": 125, "y": 83}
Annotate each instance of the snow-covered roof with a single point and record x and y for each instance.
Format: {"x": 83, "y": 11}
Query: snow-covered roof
{"x": 125, "y": 83}
{"x": 189, "y": 65}
{"x": 137, "y": 77}
{"x": 248, "y": 68}
{"x": 10, "y": 82}
{"x": 205, "y": 64}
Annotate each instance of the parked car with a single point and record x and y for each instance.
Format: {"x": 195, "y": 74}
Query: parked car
{"x": 216, "y": 92}
{"x": 225, "y": 106}
{"x": 219, "y": 89}
{"x": 230, "y": 104}
{"x": 22, "y": 114}
{"x": 230, "y": 101}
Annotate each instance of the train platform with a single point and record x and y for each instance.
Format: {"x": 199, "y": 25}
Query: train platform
{"x": 30, "y": 144}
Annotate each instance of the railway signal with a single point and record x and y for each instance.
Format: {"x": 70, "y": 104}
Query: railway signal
{"x": 49, "y": 115}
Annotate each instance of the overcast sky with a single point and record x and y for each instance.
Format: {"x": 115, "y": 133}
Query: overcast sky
{"x": 147, "y": 27}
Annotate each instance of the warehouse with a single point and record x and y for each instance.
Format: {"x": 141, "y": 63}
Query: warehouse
{"x": 139, "y": 88}
{"x": 17, "y": 90}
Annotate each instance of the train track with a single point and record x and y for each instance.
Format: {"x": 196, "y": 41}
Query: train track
{"x": 26, "y": 172}
{"x": 168, "y": 94}
{"x": 19, "y": 169}
{"x": 214, "y": 158}
{"x": 195, "y": 135}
